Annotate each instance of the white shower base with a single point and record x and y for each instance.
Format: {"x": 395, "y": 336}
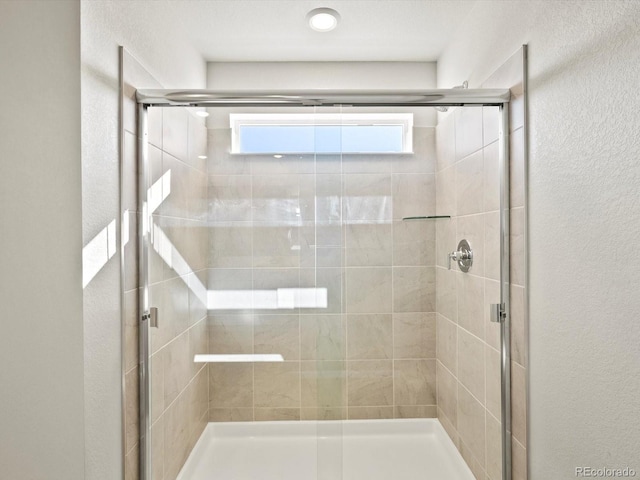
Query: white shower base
{"x": 350, "y": 450}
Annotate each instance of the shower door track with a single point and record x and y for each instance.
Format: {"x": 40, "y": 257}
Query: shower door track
{"x": 456, "y": 97}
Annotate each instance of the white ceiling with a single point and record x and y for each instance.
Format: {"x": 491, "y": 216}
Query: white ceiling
{"x": 276, "y": 30}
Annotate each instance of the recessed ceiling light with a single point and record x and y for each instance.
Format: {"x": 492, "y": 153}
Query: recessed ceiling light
{"x": 202, "y": 113}
{"x": 277, "y": 156}
{"x": 323, "y": 19}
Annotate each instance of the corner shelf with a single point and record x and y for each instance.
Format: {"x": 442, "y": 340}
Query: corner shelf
{"x": 428, "y": 217}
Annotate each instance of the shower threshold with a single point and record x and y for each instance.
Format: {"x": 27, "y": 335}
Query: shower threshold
{"x": 406, "y": 449}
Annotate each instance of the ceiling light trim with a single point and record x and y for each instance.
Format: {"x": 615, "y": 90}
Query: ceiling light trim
{"x": 323, "y": 19}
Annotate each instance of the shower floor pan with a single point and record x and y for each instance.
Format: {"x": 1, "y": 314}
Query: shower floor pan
{"x": 351, "y": 450}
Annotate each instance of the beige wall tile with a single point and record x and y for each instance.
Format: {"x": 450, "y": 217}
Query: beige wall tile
{"x": 469, "y": 184}
{"x": 370, "y": 383}
{"x": 518, "y": 338}
{"x": 231, "y": 414}
{"x": 369, "y": 244}
{"x": 231, "y": 279}
{"x": 198, "y": 405}
{"x": 276, "y": 246}
{"x": 366, "y": 413}
{"x": 175, "y": 132}
{"x": 366, "y": 198}
{"x": 276, "y": 198}
{"x": 471, "y": 365}
{"x": 198, "y": 344}
{"x": 323, "y": 413}
{"x": 445, "y": 141}
{"x": 277, "y": 334}
{"x": 130, "y": 330}
{"x": 132, "y": 432}
{"x": 368, "y": 290}
{"x": 446, "y": 293}
{"x": 492, "y": 245}
{"x": 413, "y": 195}
{"x": 157, "y": 386}
{"x": 176, "y": 437}
{"x": 219, "y": 158}
{"x": 229, "y": 198}
{"x": 414, "y": 382}
{"x": 447, "y": 343}
{"x": 493, "y": 382}
{"x": 517, "y": 227}
{"x": 157, "y": 450}
{"x": 277, "y": 384}
{"x": 492, "y": 329}
{"x": 447, "y": 394}
{"x": 132, "y": 464}
{"x": 322, "y": 337}
{"x": 518, "y": 461}
{"x": 414, "y": 243}
{"x": 473, "y": 462}
{"x": 272, "y": 414}
{"x": 494, "y": 448}
{"x": 414, "y": 289}
{"x": 415, "y": 411}
{"x": 369, "y": 336}
{"x": 468, "y": 128}
{"x": 448, "y": 427}
{"x": 414, "y": 335}
{"x": 470, "y": 291}
{"x": 230, "y": 245}
{"x": 490, "y": 124}
{"x": 331, "y": 279}
{"x": 232, "y": 334}
{"x": 446, "y": 192}
{"x": 471, "y": 424}
{"x": 446, "y": 241}
{"x": 492, "y": 177}
{"x": 323, "y": 384}
{"x": 197, "y": 143}
{"x": 176, "y": 366}
{"x": 366, "y": 164}
{"x": 230, "y": 385}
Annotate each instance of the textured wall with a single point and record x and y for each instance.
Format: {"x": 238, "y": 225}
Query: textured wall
{"x": 41, "y": 364}
{"x": 583, "y": 183}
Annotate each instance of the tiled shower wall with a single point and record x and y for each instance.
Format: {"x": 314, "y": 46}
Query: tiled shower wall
{"x": 177, "y": 280}
{"x": 468, "y": 344}
{"x": 334, "y": 223}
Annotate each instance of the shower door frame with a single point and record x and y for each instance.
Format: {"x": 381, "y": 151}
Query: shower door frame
{"x": 456, "y": 97}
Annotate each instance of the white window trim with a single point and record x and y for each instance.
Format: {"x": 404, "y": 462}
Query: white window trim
{"x": 237, "y": 120}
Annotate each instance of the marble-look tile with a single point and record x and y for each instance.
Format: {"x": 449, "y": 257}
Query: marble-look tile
{"x": 198, "y": 344}
{"x": 278, "y": 334}
{"x": 518, "y": 403}
{"x": 157, "y": 450}
{"x": 311, "y": 413}
{"x": 517, "y": 241}
{"x": 276, "y": 414}
{"x": 471, "y": 423}
{"x": 470, "y": 291}
{"x": 231, "y": 414}
{"x": 446, "y": 293}
{"x": 493, "y": 387}
{"x": 473, "y": 462}
{"x": 370, "y": 383}
{"x": 518, "y": 461}
{"x": 197, "y": 143}
{"x": 447, "y": 343}
{"x": 518, "y": 327}
{"x": 176, "y": 437}
{"x": 198, "y": 405}
{"x": 229, "y": 198}
{"x": 445, "y": 141}
{"x": 132, "y": 432}
{"x": 231, "y": 245}
{"x": 366, "y": 164}
{"x": 414, "y": 335}
{"x": 490, "y": 124}
{"x": 276, "y": 199}
{"x": 230, "y": 385}
{"x": 132, "y": 464}
{"x": 157, "y": 386}
{"x": 367, "y": 413}
{"x": 175, "y": 132}
{"x": 415, "y": 411}
{"x": 277, "y": 385}
{"x": 176, "y": 365}
{"x": 424, "y": 153}
{"x": 368, "y": 290}
{"x": 447, "y": 387}
{"x": 468, "y": 125}
{"x": 448, "y": 427}
{"x": 492, "y": 245}
{"x": 446, "y": 192}
{"x": 446, "y": 241}
{"x": 469, "y": 184}
{"x": 272, "y": 279}
{"x": 491, "y": 177}
{"x": 367, "y": 198}
{"x": 323, "y": 384}
{"x": 197, "y": 284}
{"x": 471, "y": 228}
{"x": 494, "y": 448}
{"x": 328, "y": 198}
{"x": 369, "y": 245}
{"x": 322, "y": 337}
{"x": 231, "y": 280}
{"x": 369, "y": 337}
{"x": 517, "y": 169}
{"x": 414, "y": 382}
{"x": 276, "y": 246}
{"x": 289, "y": 164}
{"x": 414, "y": 243}
{"x": 413, "y": 195}
{"x": 471, "y": 367}
{"x": 331, "y": 279}
{"x": 219, "y": 158}
{"x": 414, "y": 289}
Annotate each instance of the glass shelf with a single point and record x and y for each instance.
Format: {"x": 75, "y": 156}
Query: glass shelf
{"x": 428, "y": 217}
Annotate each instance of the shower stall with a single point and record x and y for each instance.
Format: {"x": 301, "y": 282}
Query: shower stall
{"x": 323, "y": 286}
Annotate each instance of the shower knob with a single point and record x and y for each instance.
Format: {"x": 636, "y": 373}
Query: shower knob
{"x": 464, "y": 256}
